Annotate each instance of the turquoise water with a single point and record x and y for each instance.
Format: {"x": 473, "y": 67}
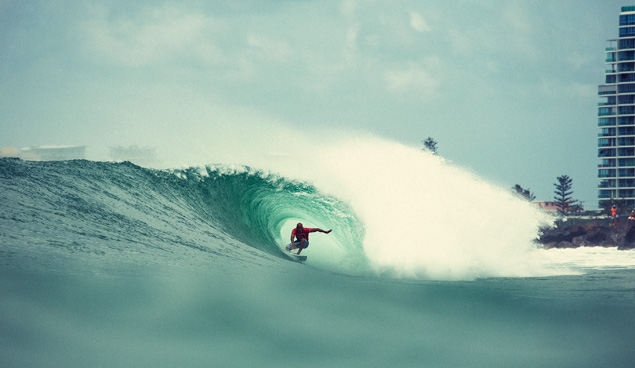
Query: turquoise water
{"x": 114, "y": 265}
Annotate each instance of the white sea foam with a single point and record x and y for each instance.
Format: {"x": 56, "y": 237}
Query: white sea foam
{"x": 427, "y": 218}
{"x": 584, "y": 258}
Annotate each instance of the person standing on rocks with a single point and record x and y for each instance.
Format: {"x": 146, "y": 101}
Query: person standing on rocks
{"x": 614, "y": 215}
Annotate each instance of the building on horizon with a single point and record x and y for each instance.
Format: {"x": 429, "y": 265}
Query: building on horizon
{"x": 616, "y": 117}
{"x": 554, "y": 207}
{"x": 53, "y": 153}
{"x": 550, "y": 206}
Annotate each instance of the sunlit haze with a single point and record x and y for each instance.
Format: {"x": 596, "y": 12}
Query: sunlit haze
{"x": 507, "y": 88}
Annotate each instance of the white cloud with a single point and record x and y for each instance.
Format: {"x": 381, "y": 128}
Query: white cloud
{"x": 522, "y": 27}
{"x": 577, "y": 59}
{"x": 350, "y": 46}
{"x": 269, "y": 48}
{"x": 150, "y": 38}
{"x": 568, "y": 89}
{"x": 411, "y": 79}
{"x": 481, "y": 40}
{"x": 418, "y": 22}
{"x": 348, "y": 7}
{"x": 517, "y": 18}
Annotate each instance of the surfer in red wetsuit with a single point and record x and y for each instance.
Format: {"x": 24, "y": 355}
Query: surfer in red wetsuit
{"x": 301, "y": 233}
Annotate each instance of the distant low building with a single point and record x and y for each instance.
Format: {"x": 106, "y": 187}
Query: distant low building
{"x": 53, "y": 153}
{"x": 548, "y": 206}
{"x": 9, "y": 152}
{"x": 552, "y": 206}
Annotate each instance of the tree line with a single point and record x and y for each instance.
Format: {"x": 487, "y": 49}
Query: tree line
{"x": 563, "y": 192}
{"x": 563, "y": 199}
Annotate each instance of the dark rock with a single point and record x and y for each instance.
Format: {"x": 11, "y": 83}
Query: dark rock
{"x": 560, "y": 234}
{"x": 608, "y": 243}
{"x": 565, "y": 244}
{"x": 580, "y": 241}
{"x": 596, "y": 235}
{"x": 549, "y": 245}
{"x": 593, "y": 234}
{"x": 629, "y": 238}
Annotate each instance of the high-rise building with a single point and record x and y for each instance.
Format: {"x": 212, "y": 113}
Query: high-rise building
{"x": 616, "y": 117}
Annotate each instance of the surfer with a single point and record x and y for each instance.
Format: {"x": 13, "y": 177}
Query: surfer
{"x": 301, "y": 233}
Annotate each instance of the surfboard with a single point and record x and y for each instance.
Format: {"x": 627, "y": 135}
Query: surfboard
{"x": 298, "y": 258}
{"x": 295, "y": 257}
{"x": 292, "y": 254}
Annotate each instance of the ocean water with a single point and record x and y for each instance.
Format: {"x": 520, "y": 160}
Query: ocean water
{"x": 114, "y": 265}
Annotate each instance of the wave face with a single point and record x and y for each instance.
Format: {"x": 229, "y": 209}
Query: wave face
{"x": 124, "y": 209}
{"x": 394, "y": 211}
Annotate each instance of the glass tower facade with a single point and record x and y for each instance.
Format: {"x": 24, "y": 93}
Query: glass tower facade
{"x": 616, "y": 117}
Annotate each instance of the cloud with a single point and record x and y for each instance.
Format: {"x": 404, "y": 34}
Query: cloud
{"x": 152, "y": 37}
{"x": 511, "y": 32}
{"x": 418, "y": 22}
{"x": 348, "y": 7}
{"x": 412, "y": 79}
{"x": 567, "y": 89}
{"x": 268, "y": 48}
{"x": 350, "y": 45}
{"x": 577, "y": 59}
{"x": 522, "y": 27}
{"x": 517, "y": 18}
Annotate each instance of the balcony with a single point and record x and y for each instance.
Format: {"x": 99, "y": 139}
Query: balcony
{"x": 626, "y": 67}
{"x": 626, "y": 193}
{"x": 605, "y": 194}
{"x": 607, "y": 184}
{"x": 606, "y": 89}
{"x": 606, "y": 152}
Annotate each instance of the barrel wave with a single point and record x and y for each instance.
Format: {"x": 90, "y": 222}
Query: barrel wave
{"x": 124, "y": 209}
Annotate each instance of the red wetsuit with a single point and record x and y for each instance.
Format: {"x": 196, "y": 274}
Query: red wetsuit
{"x": 305, "y": 234}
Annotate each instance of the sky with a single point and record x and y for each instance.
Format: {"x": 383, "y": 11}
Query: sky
{"x": 507, "y": 88}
